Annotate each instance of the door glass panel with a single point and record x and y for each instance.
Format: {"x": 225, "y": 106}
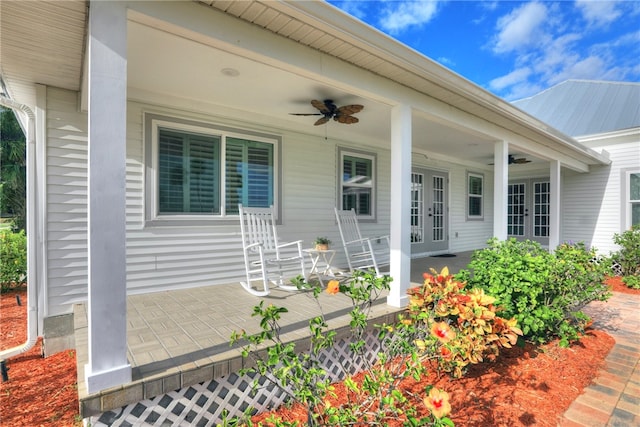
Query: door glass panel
{"x": 438, "y": 208}
{"x": 417, "y": 208}
{"x": 515, "y": 210}
{"x": 541, "y": 209}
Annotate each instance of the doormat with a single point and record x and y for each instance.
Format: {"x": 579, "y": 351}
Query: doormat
{"x": 444, "y": 256}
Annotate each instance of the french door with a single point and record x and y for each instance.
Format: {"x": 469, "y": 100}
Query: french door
{"x": 429, "y": 211}
{"x": 528, "y": 209}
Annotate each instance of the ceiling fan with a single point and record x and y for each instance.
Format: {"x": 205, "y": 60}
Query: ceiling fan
{"x": 518, "y": 161}
{"x": 329, "y": 110}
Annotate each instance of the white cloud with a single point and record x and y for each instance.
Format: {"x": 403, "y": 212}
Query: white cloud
{"x": 599, "y": 12}
{"x": 521, "y": 28}
{"x": 588, "y": 68}
{"x": 446, "y": 61}
{"x": 515, "y": 77}
{"x": 400, "y": 15}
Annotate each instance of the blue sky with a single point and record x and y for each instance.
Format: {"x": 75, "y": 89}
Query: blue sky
{"x": 515, "y": 49}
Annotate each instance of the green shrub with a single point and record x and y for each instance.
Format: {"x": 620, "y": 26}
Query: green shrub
{"x": 629, "y": 254}
{"x": 13, "y": 259}
{"x": 544, "y": 292}
{"x": 632, "y": 282}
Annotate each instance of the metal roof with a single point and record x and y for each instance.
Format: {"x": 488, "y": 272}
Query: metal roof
{"x": 582, "y": 107}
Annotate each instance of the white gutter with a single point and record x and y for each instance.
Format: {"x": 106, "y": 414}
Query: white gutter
{"x": 32, "y": 300}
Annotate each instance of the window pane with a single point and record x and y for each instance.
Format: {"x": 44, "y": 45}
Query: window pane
{"x": 475, "y": 206}
{"x": 634, "y": 186}
{"x": 635, "y": 214}
{"x": 249, "y": 174}
{"x": 357, "y": 184}
{"x": 188, "y": 172}
{"x": 475, "y": 185}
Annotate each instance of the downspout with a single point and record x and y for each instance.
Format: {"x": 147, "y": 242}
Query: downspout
{"x": 32, "y": 299}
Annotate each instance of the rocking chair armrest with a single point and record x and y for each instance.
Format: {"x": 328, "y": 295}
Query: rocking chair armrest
{"x": 364, "y": 240}
{"x": 295, "y": 242}
{"x": 252, "y": 245}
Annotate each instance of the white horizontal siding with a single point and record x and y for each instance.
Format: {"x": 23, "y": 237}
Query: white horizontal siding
{"x": 66, "y": 202}
{"x": 592, "y": 202}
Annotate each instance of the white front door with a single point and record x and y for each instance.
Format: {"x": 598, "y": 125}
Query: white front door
{"x": 429, "y": 211}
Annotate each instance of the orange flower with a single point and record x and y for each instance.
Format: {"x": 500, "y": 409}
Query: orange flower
{"x": 443, "y": 332}
{"x": 446, "y": 353}
{"x": 333, "y": 287}
{"x": 438, "y": 403}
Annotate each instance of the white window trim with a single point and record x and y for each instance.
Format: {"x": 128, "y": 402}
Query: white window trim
{"x": 152, "y": 123}
{"x": 468, "y": 196}
{"x": 344, "y": 151}
{"x": 625, "y": 223}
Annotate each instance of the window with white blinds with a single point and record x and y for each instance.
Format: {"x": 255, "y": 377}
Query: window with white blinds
{"x": 632, "y": 199}
{"x": 188, "y": 170}
{"x": 357, "y": 183}
{"x": 205, "y": 172}
{"x": 475, "y": 196}
{"x": 249, "y": 173}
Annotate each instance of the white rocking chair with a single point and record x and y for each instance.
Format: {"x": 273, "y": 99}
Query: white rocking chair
{"x": 362, "y": 253}
{"x": 265, "y": 258}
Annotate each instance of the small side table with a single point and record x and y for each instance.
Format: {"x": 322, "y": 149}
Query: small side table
{"x": 321, "y": 263}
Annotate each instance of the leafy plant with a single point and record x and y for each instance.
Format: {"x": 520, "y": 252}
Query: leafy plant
{"x": 628, "y": 257}
{"x": 376, "y": 397}
{"x": 544, "y": 292}
{"x": 13, "y": 259}
{"x": 462, "y": 324}
{"x": 632, "y": 282}
{"x": 322, "y": 241}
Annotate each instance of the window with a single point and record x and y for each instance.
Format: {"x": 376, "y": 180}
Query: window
{"x": 475, "y": 192}
{"x": 632, "y": 198}
{"x": 201, "y": 172}
{"x": 189, "y": 180}
{"x": 357, "y": 183}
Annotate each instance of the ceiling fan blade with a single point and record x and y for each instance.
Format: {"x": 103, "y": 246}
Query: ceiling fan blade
{"x": 306, "y": 114}
{"x": 322, "y": 106}
{"x": 350, "y": 109}
{"x": 521, "y": 161}
{"x": 322, "y": 121}
{"x": 346, "y": 119}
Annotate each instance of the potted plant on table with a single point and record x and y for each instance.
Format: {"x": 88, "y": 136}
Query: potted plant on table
{"x": 322, "y": 243}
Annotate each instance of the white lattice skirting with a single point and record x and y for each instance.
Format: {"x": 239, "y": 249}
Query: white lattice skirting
{"x": 203, "y": 404}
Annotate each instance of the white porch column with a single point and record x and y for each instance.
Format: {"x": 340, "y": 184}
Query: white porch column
{"x": 500, "y": 189}
{"x": 400, "y": 205}
{"x": 554, "y": 204}
{"x": 107, "y": 310}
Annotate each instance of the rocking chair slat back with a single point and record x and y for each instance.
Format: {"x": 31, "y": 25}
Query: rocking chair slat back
{"x": 267, "y": 259}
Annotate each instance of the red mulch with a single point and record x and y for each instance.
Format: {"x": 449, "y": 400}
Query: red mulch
{"x": 524, "y": 387}
{"x": 40, "y": 392}
{"x": 617, "y": 285}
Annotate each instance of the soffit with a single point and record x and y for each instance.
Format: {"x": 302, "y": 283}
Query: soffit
{"x": 41, "y": 42}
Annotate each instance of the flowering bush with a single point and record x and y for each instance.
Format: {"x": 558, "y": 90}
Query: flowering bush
{"x": 463, "y": 325}
{"x": 376, "y": 397}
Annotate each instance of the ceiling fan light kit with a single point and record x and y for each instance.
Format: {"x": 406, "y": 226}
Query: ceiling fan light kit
{"x": 328, "y": 110}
